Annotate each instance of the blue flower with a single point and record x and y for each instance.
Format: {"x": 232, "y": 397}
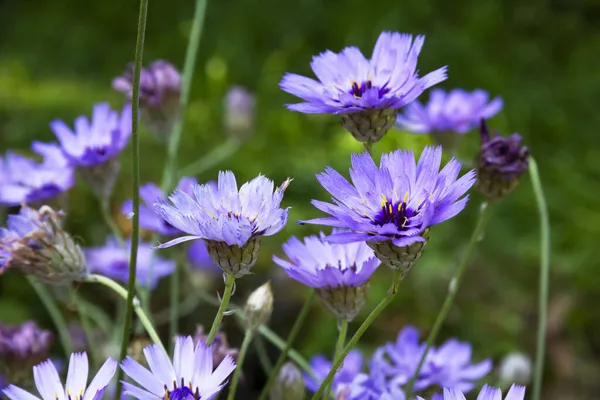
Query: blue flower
{"x": 112, "y": 260}
{"x": 49, "y": 385}
{"x": 190, "y": 373}
{"x": 24, "y": 342}
{"x": 487, "y": 393}
{"x": 351, "y": 367}
{"x": 199, "y": 258}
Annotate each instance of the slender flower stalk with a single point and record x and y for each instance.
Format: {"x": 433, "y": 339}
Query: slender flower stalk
{"x": 339, "y": 347}
{"x": 484, "y": 215}
{"x": 229, "y": 288}
{"x": 361, "y": 330}
{"x": 240, "y": 361}
{"x": 544, "y": 278}
{"x": 288, "y": 344}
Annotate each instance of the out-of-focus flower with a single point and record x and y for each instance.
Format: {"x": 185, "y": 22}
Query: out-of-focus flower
{"x": 190, "y": 374}
{"x": 259, "y": 307}
{"x": 500, "y": 163}
{"x": 112, "y": 260}
{"x": 150, "y": 194}
{"x": 220, "y": 346}
{"x": 35, "y": 243}
{"x": 94, "y": 145}
{"x": 23, "y": 180}
{"x": 160, "y": 87}
{"x": 448, "y": 114}
{"x": 365, "y": 93}
{"x": 339, "y": 272}
{"x": 230, "y": 221}
{"x": 517, "y": 368}
{"x": 289, "y": 384}
{"x": 239, "y": 112}
{"x": 392, "y": 207}
{"x": 487, "y": 393}
{"x": 198, "y": 257}
{"x": 25, "y": 343}
{"x": 350, "y": 368}
{"x": 49, "y": 385}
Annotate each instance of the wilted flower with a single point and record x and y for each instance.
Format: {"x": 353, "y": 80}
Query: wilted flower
{"x": 23, "y": 180}
{"x": 515, "y": 367}
{"x": 259, "y": 307}
{"x": 220, "y": 346}
{"x": 500, "y": 163}
{"x": 339, "y": 272}
{"x": 50, "y": 387}
{"x": 160, "y": 86}
{"x": 487, "y": 393}
{"x": 289, "y": 384}
{"x": 150, "y": 194}
{"x": 239, "y": 111}
{"x": 448, "y": 114}
{"x": 392, "y": 207}
{"x": 93, "y": 146}
{"x": 350, "y": 368}
{"x": 230, "y": 221}
{"x": 36, "y": 244}
{"x": 365, "y": 93}
{"x": 24, "y": 343}
{"x": 190, "y": 374}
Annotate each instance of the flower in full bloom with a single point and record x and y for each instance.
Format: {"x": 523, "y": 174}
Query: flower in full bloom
{"x": 289, "y": 384}
{"x": 448, "y": 114}
{"x": 94, "y": 144}
{"x": 49, "y": 385}
{"x": 350, "y": 368}
{"x": 239, "y": 111}
{"x": 112, "y": 260}
{"x": 24, "y": 180}
{"x": 35, "y": 243}
{"x": 160, "y": 86}
{"x": 230, "y": 221}
{"x": 487, "y": 393}
{"x": 190, "y": 373}
{"x": 392, "y": 207}
{"x": 150, "y": 194}
{"x": 365, "y": 93}
{"x": 500, "y": 163}
{"x": 339, "y": 272}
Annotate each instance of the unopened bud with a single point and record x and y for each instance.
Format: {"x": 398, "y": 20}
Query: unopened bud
{"x": 515, "y": 368}
{"x": 289, "y": 384}
{"x": 259, "y": 307}
{"x": 239, "y": 112}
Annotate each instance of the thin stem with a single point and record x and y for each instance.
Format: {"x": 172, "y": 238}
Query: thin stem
{"x": 135, "y": 156}
{"x": 114, "y": 228}
{"x": 484, "y": 214}
{"x": 216, "y": 156}
{"x": 229, "y": 285}
{"x": 139, "y": 311}
{"x": 544, "y": 278}
{"x": 57, "y": 318}
{"x": 98, "y": 316}
{"x": 239, "y": 362}
{"x": 175, "y": 293}
{"x": 361, "y": 330}
{"x": 288, "y": 344}
{"x": 339, "y": 347}
{"x": 84, "y": 319}
{"x": 263, "y": 356}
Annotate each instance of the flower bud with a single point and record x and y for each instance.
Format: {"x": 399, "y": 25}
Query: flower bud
{"x": 234, "y": 260}
{"x": 403, "y": 258}
{"x": 239, "y": 112}
{"x": 289, "y": 384}
{"x": 500, "y": 163}
{"x": 36, "y": 244}
{"x": 370, "y": 125}
{"x": 259, "y": 307}
{"x": 515, "y": 368}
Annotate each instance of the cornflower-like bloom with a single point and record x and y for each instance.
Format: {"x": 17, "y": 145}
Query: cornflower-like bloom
{"x": 49, "y": 385}
{"x": 190, "y": 374}
{"x": 448, "y": 114}
{"x": 339, "y": 272}
{"x": 239, "y": 112}
{"x": 230, "y": 221}
{"x": 500, "y": 163}
{"x": 23, "y": 180}
{"x": 23, "y": 345}
{"x": 487, "y": 393}
{"x": 93, "y": 146}
{"x": 36, "y": 244}
{"x": 349, "y": 370}
{"x": 150, "y": 194}
{"x": 365, "y": 93}
{"x": 393, "y": 207}
{"x": 160, "y": 87}
{"x": 112, "y": 260}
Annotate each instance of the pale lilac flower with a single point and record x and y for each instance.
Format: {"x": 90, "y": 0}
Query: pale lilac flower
{"x": 199, "y": 258}
{"x": 351, "y": 367}
{"x": 24, "y": 342}
{"x": 239, "y": 111}
{"x": 487, "y": 393}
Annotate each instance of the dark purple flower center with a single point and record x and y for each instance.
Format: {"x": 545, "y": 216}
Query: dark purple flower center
{"x": 358, "y": 90}
{"x": 180, "y": 393}
{"x": 396, "y": 214}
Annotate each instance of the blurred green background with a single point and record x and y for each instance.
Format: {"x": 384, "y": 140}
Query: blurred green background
{"x": 58, "y": 59}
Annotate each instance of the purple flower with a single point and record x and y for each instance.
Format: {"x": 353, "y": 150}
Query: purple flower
{"x": 22, "y": 342}
{"x": 351, "y": 367}
{"x": 239, "y": 110}
{"x": 487, "y": 393}
{"x": 350, "y": 84}
{"x": 49, "y": 385}
{"x": 112, "y": 260}
{"x": 150, "y": 194}
{"x": 190, "y": 374}
{"x": 23, "y": 180}
{"x": 456, "y": 111}
{"x": 199, "y": 258}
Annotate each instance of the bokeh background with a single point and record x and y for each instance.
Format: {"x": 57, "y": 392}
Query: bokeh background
{"x": 58, "y": 59}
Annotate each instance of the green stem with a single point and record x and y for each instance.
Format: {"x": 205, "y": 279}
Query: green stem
{"x": 216, "y": 156}
{"x": 263, "y": 356}
{"x": 84, "y": 318}
{"x": 114, "y": 228}
{"x": 139, "y": 311}
{"x": 135, "y": 156}
{"x": 98, "y": 316}
{"x": 239, "y": 362}
{"x": 339, "y": 347}
{"x": 484, "y": 214}
{"x": 175, "y": 293}
{"x": 229, "y": 285}
{"x": 544, "y": 278}
{"x": 288, "y": 344}
{"x": 57, "y": 318}
{"x": 361, "y": 330}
